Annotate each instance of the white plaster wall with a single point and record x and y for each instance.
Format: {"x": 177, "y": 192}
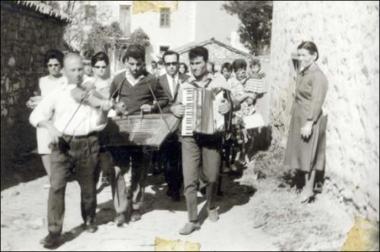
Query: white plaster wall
{"x": 179, "y": 32}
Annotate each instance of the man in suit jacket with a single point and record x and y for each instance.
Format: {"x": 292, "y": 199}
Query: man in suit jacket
{"x": 171, "y": 149}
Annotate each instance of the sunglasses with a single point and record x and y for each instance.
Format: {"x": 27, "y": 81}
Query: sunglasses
{"x": 171, "y": 63}
{"x": 102, "y": 67}
{"x": 53, "y": 65}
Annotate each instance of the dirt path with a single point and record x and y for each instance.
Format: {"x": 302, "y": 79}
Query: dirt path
{"x": 255, "y": 215}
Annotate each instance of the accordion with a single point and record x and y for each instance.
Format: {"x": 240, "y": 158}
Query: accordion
{"x": 201, "y": 111}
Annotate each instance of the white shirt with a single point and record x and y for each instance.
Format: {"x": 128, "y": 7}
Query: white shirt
{"x": 131, "y": 79}
{"x": 173, "y": 82}
{"x": 62, "y": 106}
{"x": 48, "y": 84}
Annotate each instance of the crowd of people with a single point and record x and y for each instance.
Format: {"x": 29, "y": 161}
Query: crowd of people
{"x": 73, "y": 116}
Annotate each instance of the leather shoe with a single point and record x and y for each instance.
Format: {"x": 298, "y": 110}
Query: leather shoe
{"x": 136, "y": 215}
{"x": 213, "y": 215}
{"x": 120, "y": 219}
{"x": 51, "y": 241}
{"x": 189, "y": 228}
{"x": 90, "y": 226}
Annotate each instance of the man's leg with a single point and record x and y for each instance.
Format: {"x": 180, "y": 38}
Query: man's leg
{"x": 191, "y": 158}
{"x": 86, "y": 165}
{"x": 140, "y": 162}
{"x": 60, "y": 166}
{"x": 211, "y": 158}
{"x": 120, "y": 183}
{"x": 173, "y": 169}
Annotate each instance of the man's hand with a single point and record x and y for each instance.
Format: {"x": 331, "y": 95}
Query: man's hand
{"x": 249, "y": 101}
{"x": 146, "y": 108}
{"x": 224, "y": 107}
{"x": 107, "y": 105}
{"x": 178, "y": 110}
{"x": 307, "y": 129}
{"x": 121, "y": 108}
{"x": 33, "y": 101}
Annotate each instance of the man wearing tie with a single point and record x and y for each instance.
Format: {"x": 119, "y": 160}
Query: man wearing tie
{"x": 171, "y": 149}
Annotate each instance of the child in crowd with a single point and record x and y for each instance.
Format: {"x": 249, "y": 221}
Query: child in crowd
{"x": 244, "y": 100}
{"x": 255, "y": 86}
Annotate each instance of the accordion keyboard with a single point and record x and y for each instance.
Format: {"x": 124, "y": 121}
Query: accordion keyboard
{"x": 188, "y": 118}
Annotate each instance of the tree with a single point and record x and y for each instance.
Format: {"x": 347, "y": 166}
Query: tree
{"x": 256, "y": 23}
{"x": 138, "y": 36}
{"x": 99, "y": 37}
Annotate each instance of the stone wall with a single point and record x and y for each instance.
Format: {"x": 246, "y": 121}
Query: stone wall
{"x": 347, "y": 35}
{"x": 25, "y": 37}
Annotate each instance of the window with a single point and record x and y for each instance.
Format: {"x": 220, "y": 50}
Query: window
{"x": 164, "y": 17}
{"x": 125, "y": 19}
{"x": 89, "y": 13}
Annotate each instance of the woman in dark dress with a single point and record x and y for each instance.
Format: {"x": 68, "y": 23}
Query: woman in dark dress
{"x": 305, "y": 150}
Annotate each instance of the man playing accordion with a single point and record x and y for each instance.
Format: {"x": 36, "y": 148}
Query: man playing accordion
{"x": 201, "y": 152}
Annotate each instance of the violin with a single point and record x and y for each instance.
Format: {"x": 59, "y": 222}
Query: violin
{"x": 86, "y": 93}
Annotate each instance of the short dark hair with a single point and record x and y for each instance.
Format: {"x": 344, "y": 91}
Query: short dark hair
{"x": 310, "y": 47}
{"x": 184, "y": 65}
{"x": 255, "y": 62}
{"x": 169, "y": 52}
{"x": 226, "y": 65}
{"x": 239, "y": 64}
{"x": 54, "y": 54}
{"x": 88, "y": 54}
{"x": 135, "y": 51}
{"x": 198, "y": 51}
{"x": 100, "y": 56}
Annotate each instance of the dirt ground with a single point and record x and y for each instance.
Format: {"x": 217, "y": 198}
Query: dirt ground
{"x": 255, "y": 214}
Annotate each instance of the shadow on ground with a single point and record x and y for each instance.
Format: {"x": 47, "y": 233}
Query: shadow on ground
{"x": 24, "y": 168}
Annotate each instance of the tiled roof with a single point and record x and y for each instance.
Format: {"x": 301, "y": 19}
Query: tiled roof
{"x": 43, "y": 9}
{"x": 188, "y": 46}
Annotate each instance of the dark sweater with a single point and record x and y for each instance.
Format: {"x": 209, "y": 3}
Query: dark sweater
{"x": 139, "y": 94}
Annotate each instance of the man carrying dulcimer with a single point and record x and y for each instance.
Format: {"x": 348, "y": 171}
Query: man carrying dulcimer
{"x": 137, "y": 90}
{"x": 201, "y": 153}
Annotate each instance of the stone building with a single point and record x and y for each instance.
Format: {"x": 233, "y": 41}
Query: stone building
{"x": 28, "y": 30}
{"x": 219, "y": 52}
{"x": 349, "y": 56}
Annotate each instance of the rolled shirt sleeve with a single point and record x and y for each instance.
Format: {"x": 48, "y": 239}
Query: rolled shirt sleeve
{"x": 318, "y": 96}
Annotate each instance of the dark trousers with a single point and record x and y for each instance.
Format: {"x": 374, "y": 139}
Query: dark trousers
{"x": 79, "y": 163}
{"x": 171, "y": 157}
{"x": 130, "y": 175}
{"x": 201, "y": 158}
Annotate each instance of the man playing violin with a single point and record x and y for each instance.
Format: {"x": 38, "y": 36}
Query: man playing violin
{"x": 75, "y": 148}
